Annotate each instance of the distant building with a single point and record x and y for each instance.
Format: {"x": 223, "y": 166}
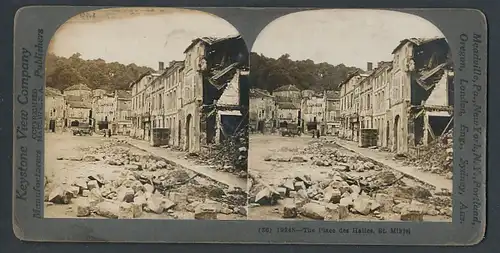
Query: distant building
{"x": 79, "y": 90}
{"x": 288, "y": 112}
{"x": 174, "y": 78}
{"x": 307, "y": 93}
{"x": 313, "y": 112}
{"x": 366, "y": 99}
{"x": 78, "y": 111}
{"x": 262, "y": 111}
{"x": 105, "y": 108}
{"x": 122, "y": 120}
{"x": 349, "y": 104}
{"x": 55, "y": 109}
{"x": 381, "y": 79}
{"x": 98, "y": 92}
{"x": 288, "y": 91}
{"x": 157, "y": 93}
{"x": 141, "y": 116}
{"x": 332, "y": 117}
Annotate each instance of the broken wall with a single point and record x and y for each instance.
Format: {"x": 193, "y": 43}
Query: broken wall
{"x": 428, "y": 57}
{"x": 231, "y": 94}
{"x": 440, "y": 92}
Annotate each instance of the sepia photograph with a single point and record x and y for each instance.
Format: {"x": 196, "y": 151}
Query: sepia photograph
{"x": 146, "y": 116}
{"x": 351, "y": 118}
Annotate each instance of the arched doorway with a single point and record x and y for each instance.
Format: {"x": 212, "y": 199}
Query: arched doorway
{"x": 179, "y": 133}
{"x": 396, "y": 133}
{"x": 188, "y": 132}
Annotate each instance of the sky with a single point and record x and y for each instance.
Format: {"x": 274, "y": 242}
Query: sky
{"x": 351, "y": 37}
{"x": 143, "y": 39}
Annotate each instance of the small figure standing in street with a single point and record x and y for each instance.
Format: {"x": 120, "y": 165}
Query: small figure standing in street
{"x": 109, "y": 133}
{"x": 105, "y": 132}
{"x": 317, "y": 133}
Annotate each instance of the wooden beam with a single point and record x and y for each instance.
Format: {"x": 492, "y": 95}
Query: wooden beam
{"x": 448, "y": 125}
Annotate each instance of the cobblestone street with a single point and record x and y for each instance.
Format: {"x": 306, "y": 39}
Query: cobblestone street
{"x": 331, "y": 179}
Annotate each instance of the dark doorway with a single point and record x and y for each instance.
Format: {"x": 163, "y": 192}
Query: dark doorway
{"x": 179, "y": 133}
{"x": 387, "y": 134}
{"x": 188, "y": 132}
{"x": 52, "y": 125}
{"x": 396, "y": 133}
{"x": 260, "y": 126}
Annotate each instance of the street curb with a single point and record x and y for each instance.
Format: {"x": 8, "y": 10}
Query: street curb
{"x": 389, "y": 167}
{"x": 171, "y": 162}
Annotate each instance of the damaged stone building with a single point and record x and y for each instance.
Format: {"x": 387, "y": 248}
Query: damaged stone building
{"x": 409, "y": 101}
{"x": 215, "y": 93}
{"x": 421, "y": 104}
{"x": 200, "y": 100}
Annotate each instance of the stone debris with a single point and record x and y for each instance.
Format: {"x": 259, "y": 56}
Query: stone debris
{"x": 92, "y": 185}
{"x": 314, "y": 211}
{"x": 230, "y": 155}
{"x": 290, "y": 210}
{"x": 437, "y": 157}
{"x": 61, "y": 195}
{"x": 145, "y": 184}
{"x": 108, "y": 209}
{"x": 83, "y": 209}
{"x": 125, "y": 195}
{"x": 354, "y": 185}
{"x": 205, "y": 212}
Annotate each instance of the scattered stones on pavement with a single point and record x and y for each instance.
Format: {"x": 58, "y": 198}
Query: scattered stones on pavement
{"x": 355, "y": 185}
{"x": 144, "y": 183}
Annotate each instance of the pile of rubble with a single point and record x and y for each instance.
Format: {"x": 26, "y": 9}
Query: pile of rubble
{"x": 231, "y": 155}
{"x": 340, "y": 195}
{"x": 319, "y": 154}
{"x": 436, "y": 158}
{"x": 355, "y": 185}
{"x": 146, "y": 184}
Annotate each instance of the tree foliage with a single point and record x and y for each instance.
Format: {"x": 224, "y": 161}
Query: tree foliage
{"x": 268, "y": 73}
{"x": 62, "y": 73}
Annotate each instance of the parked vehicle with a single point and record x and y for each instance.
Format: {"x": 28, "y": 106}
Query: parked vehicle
{"x": 82, "y": 129}
{"x": 290, "y": 130}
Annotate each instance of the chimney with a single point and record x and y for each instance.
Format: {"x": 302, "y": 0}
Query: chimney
{"x": 161, "y": 65}
{"x": 369, "y": 66}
